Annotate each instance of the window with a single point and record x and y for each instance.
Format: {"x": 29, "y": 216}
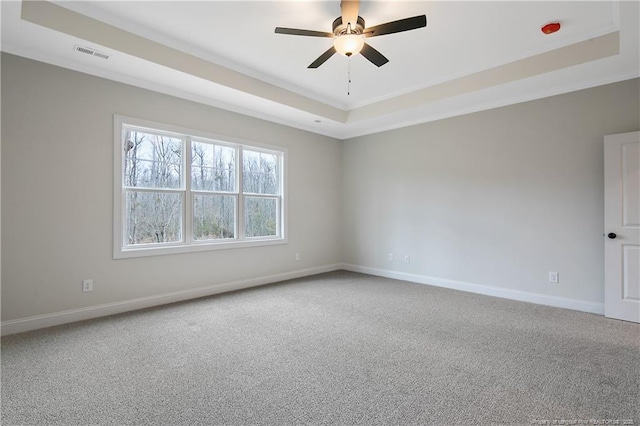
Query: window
{"x": 178, "y": 190}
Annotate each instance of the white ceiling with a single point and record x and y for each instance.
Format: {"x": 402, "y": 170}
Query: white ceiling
{"x": 471, "y": 56}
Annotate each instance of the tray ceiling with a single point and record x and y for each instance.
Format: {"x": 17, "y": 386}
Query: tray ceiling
{"x": 471, "y": 56}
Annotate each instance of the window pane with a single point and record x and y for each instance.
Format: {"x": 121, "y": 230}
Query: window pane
{"x": 152, "y": 161}
{"x": 214, "y": 217}
{"x": 260, "y": 174}
{"x": 213, "y": 167}
{"x": 260, "y": 217}
{"x": 153, "y": 217}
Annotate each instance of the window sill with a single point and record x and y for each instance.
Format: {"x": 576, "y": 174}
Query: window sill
{"x": 126, "y": 253}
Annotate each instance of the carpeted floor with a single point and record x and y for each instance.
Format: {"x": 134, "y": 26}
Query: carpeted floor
{"x": 337, "y": 348}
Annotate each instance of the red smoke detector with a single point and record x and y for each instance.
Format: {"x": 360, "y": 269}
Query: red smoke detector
{"x": 551, "y": 28}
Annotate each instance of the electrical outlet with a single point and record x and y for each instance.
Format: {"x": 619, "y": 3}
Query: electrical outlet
{"x": 407, "y": 259}
{"x": 554, "y": 277}
{"x": 390, "y": 257}
{"x": 297, "y": 257}
{"x": 87, "y": 285}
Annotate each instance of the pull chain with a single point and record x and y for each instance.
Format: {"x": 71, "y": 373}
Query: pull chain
{"x": 349, "y": 78}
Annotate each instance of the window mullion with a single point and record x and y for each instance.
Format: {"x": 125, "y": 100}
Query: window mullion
{"x": 240, "y": 197}
{"x": 160, "y": 190}
{"x": 278, "y": 217}
{"x": 252, "y": 195}
{"x": 281, "y": 209}
{"x": 188, "y": 196}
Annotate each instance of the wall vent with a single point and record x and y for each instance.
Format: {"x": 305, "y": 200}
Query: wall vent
{"x": 90, "y": 51}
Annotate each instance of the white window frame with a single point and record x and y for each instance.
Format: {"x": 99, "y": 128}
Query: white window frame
{"x": 188, "y": 243}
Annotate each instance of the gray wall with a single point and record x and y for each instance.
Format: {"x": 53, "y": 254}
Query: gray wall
{"x": 496, "y": 198}
{"x": 57, "y": 178}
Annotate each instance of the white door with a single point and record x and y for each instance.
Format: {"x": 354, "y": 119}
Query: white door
{"x": 622, "y": 226}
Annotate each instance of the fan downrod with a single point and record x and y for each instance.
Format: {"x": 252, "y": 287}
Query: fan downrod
{"x": 339, "y": 28}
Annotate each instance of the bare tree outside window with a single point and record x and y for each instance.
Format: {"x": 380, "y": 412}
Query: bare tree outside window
{"x": 260, "y": 217}
{"x": 260, "y": 173}
{"x": 213, "y": 172}
{"x": 152, "y": 162}
{"x": 260, "y": 176}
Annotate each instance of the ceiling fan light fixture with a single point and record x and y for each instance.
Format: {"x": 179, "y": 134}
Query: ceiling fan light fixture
{"x": 348, "y": 44}
{"x": 349, "y": 32}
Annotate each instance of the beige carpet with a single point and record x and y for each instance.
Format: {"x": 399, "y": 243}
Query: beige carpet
{"x": 337, "y": 348}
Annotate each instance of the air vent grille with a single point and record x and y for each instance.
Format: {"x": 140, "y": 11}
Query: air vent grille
{"x": 90, "y": 51}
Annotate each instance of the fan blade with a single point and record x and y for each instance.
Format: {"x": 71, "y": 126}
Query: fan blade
{"x": 375, "y": 57}
{"x": 349, "y": 10}
{"x": 323, "y": 58}
{"x": 309, "y": 33}
{"x": 397, "y": 26}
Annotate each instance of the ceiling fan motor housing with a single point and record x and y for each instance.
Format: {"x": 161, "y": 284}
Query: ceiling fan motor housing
{"x": 339, "y": 28}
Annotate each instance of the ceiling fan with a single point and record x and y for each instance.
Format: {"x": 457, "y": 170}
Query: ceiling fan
{"x": 349, "y": 33}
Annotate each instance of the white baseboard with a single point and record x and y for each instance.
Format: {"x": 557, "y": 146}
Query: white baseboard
{"x": 505, "y": 293}
{"x": 48, "y": 320}
{"x": 57, "y": 318}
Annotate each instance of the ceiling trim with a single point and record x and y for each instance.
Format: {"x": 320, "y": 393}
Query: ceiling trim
{"x": 498, "y": 103}
{"x": 574, "y": 54}
{"x": 58, "y": 18}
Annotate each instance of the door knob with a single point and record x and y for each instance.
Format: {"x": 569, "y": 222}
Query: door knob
{"x": 611, "y": 235}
